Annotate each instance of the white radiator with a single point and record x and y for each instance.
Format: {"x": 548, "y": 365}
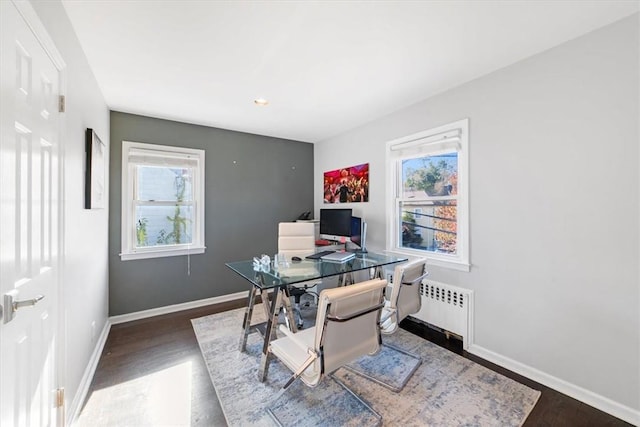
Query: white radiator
{"x": 447, "y": 307}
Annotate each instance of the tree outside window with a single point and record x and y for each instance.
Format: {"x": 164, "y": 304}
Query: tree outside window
{"x": 165, "y": 205}
{"x": 429, "y": 208}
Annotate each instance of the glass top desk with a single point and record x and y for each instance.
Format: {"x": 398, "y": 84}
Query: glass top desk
{"x": 279, "y": 277}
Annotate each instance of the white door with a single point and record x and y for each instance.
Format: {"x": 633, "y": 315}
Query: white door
{"x": 30, "y": 221}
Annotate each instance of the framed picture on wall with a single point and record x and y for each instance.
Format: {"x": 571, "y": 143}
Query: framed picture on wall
{"x": 94, "y": 192}
{"x": 347, "y": 185}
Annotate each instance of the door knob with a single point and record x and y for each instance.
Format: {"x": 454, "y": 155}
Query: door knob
{"x": 11, "y": 305}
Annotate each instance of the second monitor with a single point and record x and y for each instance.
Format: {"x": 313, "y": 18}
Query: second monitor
{"x": 358, "y": 233}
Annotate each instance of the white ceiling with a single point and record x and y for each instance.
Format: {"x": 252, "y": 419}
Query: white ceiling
{"x": 325, "y": 66}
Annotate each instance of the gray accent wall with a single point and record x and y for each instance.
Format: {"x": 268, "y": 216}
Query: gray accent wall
{"x": 252, "y": 182}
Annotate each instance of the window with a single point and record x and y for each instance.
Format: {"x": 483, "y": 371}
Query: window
{"x": 428, "y": 198}
{"x": 162, "y": 201}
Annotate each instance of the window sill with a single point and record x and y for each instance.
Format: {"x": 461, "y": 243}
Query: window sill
{"x": 433, "y": 260}
{"x": 161, "y": 253}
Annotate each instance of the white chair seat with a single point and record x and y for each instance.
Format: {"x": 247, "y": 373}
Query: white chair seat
{"x": 294, "y": 356}
{"x": 388, "y": 324}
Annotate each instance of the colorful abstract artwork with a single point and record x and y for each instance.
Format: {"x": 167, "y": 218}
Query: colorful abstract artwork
{"x": 347, "y": 185}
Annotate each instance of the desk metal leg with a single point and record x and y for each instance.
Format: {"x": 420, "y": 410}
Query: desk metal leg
{"x": 268, "y": 298}
{"x": 246, "y": 323}
{"x": 264, "y": 296}
{"x": 286, "y": 307}
{"x": 272, "y": 320}
{"x": 288, "y": 311}
{"x": 346, "y": 279}
{"x": 350, "y": 280}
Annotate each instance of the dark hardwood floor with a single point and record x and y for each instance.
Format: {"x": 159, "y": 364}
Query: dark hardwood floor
{"x": 151, "y": 373}
{"x": 552, "y": 409}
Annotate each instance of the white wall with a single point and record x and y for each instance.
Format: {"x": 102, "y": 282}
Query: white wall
{"x": 554, "y": 208}
{"x": 85, "y": 278}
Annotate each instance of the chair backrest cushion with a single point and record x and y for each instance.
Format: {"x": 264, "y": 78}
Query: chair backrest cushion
{"x": 342, "y": 342}
{"x": 296, "y": 239}
{"x": 405, "y": 295}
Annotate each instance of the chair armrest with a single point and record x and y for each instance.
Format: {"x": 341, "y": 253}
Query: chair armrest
{"x": 417, "y": 279}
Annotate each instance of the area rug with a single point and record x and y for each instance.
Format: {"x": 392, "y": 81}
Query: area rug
{"x": 446, "y": 390}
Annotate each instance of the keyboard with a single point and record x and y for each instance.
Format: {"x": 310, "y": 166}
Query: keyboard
{"x": 319, "y": 255}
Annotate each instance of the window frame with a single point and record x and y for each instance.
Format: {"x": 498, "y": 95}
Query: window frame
{"x": 129, "y": 250}
{"x": 442, "y": 139}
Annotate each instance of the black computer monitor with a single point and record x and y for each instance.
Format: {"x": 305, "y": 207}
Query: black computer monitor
{"x": 335, "y": 224}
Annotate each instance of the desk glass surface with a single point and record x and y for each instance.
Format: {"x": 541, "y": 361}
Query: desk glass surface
{"x": 305, "y": 270}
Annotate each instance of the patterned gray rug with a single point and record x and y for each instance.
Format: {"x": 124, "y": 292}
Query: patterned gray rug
{"x": 446, "y": 390}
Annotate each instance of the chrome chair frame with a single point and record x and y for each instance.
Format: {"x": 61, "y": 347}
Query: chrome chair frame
{"x": 392, "y": 311}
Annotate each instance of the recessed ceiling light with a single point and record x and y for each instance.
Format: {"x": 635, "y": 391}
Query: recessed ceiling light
{"x": 261, "y": 101}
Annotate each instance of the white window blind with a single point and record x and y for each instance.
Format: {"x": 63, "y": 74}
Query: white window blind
{"x": 139, "y": 156}
{"x": 427, "y": 144}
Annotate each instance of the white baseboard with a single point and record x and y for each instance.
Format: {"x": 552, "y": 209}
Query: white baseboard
{"x": 87, "y": 377}
{"x": 176, "y": 307}
{"x": 85, "y": 383}
{"x": 602, "y": 403}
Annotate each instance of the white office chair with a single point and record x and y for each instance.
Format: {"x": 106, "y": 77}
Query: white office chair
{"x": 405, "y": 294}
{"x": 297, "y": 239}
{"x": 405, "y": 299}
{"x": 347, "y": 327}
